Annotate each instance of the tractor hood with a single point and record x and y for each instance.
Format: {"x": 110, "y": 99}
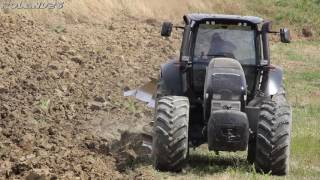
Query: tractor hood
{"x": 224, "y": 82}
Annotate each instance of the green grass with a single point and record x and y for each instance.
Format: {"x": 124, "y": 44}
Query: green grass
{"x": 44, "y": 104}
{"x": 293, "y": 13}
{"x": 305, "y": 148}
{"x": 303, "y": 84}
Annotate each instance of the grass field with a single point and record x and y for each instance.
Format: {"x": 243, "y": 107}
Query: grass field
{"x": 295, "y": 14}
{"x": 302, "y": 62}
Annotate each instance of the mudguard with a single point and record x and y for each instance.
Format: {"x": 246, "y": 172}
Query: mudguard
{"x": 172, "y": 77}
{"x": 272, "y": 82}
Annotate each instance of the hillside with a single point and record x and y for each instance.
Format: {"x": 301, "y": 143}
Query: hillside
{"x": 295, "y": 14}
{"x": 63, "y": 72}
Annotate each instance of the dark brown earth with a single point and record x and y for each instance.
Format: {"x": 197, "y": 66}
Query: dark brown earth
{"x": 62, "y": 114}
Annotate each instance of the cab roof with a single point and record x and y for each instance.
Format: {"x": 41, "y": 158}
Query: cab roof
{"x": 203, "y": 17}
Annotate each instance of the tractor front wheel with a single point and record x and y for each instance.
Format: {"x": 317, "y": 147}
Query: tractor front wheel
{"x": 170, "y": 133}
{"x": 273, "y": 136}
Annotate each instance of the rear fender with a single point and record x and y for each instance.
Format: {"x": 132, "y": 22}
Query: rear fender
{"x": 272, "y": 82}
{"x": 172, "y": 77}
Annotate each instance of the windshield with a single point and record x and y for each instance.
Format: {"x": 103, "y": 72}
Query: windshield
{"x": 214, "y": 40}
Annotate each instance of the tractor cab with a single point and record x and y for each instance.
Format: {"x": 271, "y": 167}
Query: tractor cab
{"x": 209, "y": 36}
{"x": 214, "y": 39}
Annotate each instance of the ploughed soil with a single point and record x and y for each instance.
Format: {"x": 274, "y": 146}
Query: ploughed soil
{"x": 62, "y": 113}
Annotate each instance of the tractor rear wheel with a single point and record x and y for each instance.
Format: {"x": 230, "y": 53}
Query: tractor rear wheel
{"x": 170, "y": 133}
{"x": 273, "y": 136}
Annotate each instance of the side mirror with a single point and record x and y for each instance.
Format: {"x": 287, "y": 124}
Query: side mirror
{"x": 166, "y": 29}
{"x": 285, "y": 35}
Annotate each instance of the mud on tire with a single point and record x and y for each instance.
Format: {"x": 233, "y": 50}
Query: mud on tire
{"x": 273, "y": 136}
{"x": 170, "y": 133}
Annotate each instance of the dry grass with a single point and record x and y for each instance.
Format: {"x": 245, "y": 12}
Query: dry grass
{"x": 294, "y": 13}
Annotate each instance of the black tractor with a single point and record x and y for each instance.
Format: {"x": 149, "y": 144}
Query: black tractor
{"x": 222, "y": 91}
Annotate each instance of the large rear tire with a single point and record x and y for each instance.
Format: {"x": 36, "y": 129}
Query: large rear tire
{"x": 273, "y": 136}
{"x": 170, "y": 133}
